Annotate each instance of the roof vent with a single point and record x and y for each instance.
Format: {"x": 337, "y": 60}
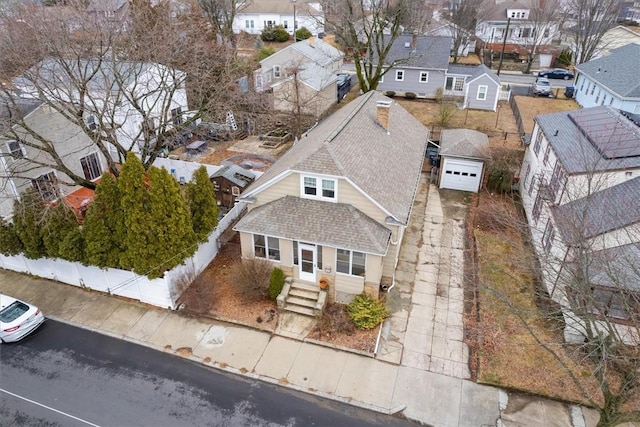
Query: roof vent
{"x": 556, "y": 134}
{"x": 407, "y": 45}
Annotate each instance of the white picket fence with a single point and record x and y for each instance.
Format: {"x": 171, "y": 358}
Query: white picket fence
{"x": 161, "y": 292}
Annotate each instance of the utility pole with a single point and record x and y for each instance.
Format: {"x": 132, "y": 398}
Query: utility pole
{"x": 295, "y": 37}
{"x": 504, "y": 42}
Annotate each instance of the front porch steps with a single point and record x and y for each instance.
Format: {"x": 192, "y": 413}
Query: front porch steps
{"x": 302, "y": 298}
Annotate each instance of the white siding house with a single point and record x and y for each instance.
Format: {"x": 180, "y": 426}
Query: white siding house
{"x": 580, "y": 188}
{"x": 611, "y": 80}
{"x": 261, "y": 14}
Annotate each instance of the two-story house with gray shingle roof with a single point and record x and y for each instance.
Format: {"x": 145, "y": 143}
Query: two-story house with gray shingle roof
{"x": 303, "y": 74}
{"x": 611, "y": 80}
{"x": 580, "y": 188}
{"x": 420, "y": 65}
{"x": 336, "y": 205}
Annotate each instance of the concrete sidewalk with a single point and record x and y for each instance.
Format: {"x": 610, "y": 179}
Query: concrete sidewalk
{"x": 420, "y": 371}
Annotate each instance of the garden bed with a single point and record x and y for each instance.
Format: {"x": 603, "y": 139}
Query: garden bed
{"x": 275, "y": 138}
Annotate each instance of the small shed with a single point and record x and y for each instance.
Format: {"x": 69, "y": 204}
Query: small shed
{"x": 229, "y": 182}
{"x": 463, "y": 153}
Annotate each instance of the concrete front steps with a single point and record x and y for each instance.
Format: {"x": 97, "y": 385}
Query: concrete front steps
{"x": 302, "y": 298}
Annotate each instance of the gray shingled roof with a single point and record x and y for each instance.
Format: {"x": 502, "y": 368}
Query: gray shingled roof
{"x": 280, "y": 7}
{"x": 231, "y": 173}
{"x": 618, "y": 71}
{"x": 54, "y": 73}
{"x": 329, "y": 224}
{"x": 466, "y": 143}
{"x": 432, "y": 52}
{"x": 472, "y": 71}
{"x": 610, "y": 209}
{"x": 573, "y": 144}
{"x": 351, "y": 144}
{"x": 318, "y": 51}
{"x": 494, "y": 10}
{"x": 616, "y": 267}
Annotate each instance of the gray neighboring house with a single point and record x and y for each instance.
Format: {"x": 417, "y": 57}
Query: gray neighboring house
{"x": 334, "y": 208}
{"x": 580, "y": 187}
{"x": 463, "y": 153}
{"x": 420, "y": 65}
{"x": 114, "y": 12}
{"x": 611, "y": 80}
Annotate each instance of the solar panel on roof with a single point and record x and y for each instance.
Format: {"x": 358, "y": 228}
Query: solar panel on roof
{"x": 612, "y": 134}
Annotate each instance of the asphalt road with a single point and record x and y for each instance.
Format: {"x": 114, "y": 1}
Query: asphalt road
{"x": 66, "y": 376}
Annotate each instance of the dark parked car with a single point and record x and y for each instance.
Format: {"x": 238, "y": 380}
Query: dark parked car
{"x": 557, "y": 73}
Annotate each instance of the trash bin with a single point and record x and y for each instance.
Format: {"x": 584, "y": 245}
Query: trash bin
{"x": 569, "y": 91}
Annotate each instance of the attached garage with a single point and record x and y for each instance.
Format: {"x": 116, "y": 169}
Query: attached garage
{"x": 463, "y": 153}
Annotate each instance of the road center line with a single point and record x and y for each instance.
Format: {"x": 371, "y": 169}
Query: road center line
{"x": 48, "y": 407}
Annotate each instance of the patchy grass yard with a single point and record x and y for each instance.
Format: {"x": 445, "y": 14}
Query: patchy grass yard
{"x": 508, "y": 354}
{"x": 531, "y": 106}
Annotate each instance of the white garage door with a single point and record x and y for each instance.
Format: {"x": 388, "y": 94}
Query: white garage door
{"x": 462, "y": 175}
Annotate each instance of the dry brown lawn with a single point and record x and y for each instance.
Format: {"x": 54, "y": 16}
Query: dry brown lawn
{"x": 530, "y": 106}
{"x": 500, "y": 126}
{"x": 508, "y": 355}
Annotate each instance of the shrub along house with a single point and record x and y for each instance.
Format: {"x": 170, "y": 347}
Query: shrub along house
{"x": 335, "y": 206}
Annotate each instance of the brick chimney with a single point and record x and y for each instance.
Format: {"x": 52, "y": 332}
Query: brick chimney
{"x": 383, "y": 109}
{"x": 312, "y": 41}
{"x": 414, "y": 42}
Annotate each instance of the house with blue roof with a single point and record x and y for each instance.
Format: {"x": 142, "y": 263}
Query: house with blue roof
{"x": 611, "y": 80}
{"x": 420, "y": 65}
{"x": 580, "y": 189}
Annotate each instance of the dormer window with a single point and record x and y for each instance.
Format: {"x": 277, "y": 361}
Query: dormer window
{"x": 318, "y": 188}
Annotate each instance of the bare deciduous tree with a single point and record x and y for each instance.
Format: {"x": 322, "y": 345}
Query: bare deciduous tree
{"x": 221, "y": 14}
{"x": 593, "y": 18}
{"x": 367, "y": 32}
{"x": 463, "y": 16}
{"x": 543, "y": 25}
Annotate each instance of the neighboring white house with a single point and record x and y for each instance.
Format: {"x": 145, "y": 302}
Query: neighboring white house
{"x": 580, "y": 188}
{"x": 310, "y": 64}
{"x": 616, "y": 37}
{"x": 23, "y": 166}
{"x": 126, "y": 98}
{"x": 611, "y": 80}
{"x": 261, "y": 14}
{"x": 492, "y": 25}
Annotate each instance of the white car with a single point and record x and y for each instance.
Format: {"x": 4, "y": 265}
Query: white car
{"x": 17, "y": 319}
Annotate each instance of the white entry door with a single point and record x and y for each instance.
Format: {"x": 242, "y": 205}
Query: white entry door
{"x": 307, "y": 257}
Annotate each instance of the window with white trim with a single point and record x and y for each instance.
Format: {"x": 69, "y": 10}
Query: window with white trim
{"x": 91, "y": 166}
{"x": 276, "y": 71}
{"x": 424, "y": 77}
{"x": 350, "y": 262}
{"x": 482, "y": 93}
{"x": 46, "y": 186}
{"x": 248, "y": 23}
{"x": 16, "y": 149}
{"x": 318, "y": 188}
{"x": 399, "y": 75}
{"x": 538, "y": 143}
{"x": 266, "y": 247}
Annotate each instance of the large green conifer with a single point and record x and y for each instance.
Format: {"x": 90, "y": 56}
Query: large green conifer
{"x": 59, "y": 220}
{"x": 134, "y": 201}
{"x": 28, "y": 214}
{"x": 103, "y": 228}
{"x": 202, "y": 203}
{"x": 173, "y": 238}
{"x": 10, "y": 243}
